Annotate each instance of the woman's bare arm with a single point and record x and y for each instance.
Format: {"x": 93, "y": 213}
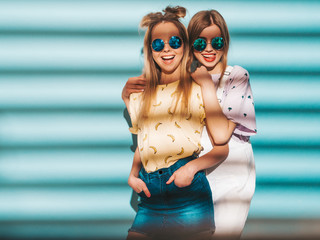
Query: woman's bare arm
{"x": 217, "y": 124}
{"x": 134, "y": 181}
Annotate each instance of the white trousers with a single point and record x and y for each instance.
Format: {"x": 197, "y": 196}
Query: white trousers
{"x": 232, "y": 184}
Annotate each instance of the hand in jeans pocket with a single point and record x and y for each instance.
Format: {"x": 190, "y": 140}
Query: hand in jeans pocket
{"x": 138, "y": 185}
{"x": 182, "y": 177}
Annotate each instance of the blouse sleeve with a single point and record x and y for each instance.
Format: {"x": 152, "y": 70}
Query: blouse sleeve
{"x": 133, "y": 111}
{"x": 238, "y": 104}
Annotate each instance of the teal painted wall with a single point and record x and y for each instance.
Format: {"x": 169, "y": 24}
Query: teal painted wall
{"x": 64, "y": 143}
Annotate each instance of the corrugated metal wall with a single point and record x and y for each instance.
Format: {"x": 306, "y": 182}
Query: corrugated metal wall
{"x": 64, "y": 143}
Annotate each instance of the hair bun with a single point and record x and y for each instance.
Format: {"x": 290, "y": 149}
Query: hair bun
{"x": 149, "y": 18}
{"x": 170, "y": 13}
{"x": 178, "y": 11}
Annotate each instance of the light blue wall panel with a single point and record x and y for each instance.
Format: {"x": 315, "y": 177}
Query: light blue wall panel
{"x": 62, "y": 91}
{"x": 65, "y": 167}
{"x": 257, "y": 16}
{"x": 64, "y": 143}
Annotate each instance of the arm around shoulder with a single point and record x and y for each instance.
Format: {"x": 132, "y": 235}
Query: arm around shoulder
{"x": 133, "y": 85}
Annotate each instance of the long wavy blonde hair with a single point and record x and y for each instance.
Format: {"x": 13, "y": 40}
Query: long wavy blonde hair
{"x": 152, "y": 71}
{"x": 202, "y": 20}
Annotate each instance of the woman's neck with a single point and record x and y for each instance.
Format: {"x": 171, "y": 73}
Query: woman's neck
{"x": 216, "y": 69}
{"x": 170, "y": 77}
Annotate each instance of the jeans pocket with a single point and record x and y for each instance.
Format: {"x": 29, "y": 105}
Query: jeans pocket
{"x": 142, "y": 194}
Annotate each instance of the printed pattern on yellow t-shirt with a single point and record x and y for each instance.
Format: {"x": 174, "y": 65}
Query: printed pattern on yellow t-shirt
{"x": 164, "y": 138}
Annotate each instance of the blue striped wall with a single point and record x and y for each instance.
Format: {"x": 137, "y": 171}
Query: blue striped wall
{"x": 64, "y": 143}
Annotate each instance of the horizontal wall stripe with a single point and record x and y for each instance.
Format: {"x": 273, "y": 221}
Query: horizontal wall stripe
{"x": 102, "y": 14}
{"x": 264, "y": 183}
{"x": 259, "y": 145}
{"x": 100, "y": 54}
{"x": 85, "y": 129}
{"x": 136, "y": 72}
{"x": 108, "y": 203}
{"x": 92, "y": 92}
{"x": 91, "y": 33}
{"x": 88, "y": 167}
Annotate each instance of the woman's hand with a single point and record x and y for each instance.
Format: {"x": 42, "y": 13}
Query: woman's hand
{"x": 133, "y": 85}
{"x": 138, "y": 185}
{"x": 182, "y": 177}
{"x": 201, "y": 76}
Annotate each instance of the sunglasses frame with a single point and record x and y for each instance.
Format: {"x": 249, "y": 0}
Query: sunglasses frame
{"x": 204, "y": 43}
{"x": 157, "y": 47}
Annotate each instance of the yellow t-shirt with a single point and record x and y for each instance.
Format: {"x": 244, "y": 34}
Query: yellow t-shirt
{"x": 163, "y": 139}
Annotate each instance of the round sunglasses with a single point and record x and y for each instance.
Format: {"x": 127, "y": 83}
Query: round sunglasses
{"x": 200, "y": 44}
{"x": 174, "y": 42}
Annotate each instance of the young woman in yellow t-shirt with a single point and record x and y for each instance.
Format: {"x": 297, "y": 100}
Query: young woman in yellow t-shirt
{"x": 168, "y": 117}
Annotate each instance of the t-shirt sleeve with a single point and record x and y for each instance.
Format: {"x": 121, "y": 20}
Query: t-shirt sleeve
{"x": 133, "y": 112}
{"x": 238, "y": 105}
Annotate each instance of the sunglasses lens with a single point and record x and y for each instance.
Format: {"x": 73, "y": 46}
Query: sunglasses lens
{"x": 157, "y": 45}
{"x": 199, "y": 44}
{"x": 217, "y": 43}
{"x": 175, "y": 42}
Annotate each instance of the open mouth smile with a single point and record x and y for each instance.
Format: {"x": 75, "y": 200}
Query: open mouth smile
{"x": 168, "y": 59}
{"x": 209, "y": 57}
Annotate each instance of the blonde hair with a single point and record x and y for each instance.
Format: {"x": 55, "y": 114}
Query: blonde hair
{"x": 202, "y": 20}
{"x": 152, "y": 71}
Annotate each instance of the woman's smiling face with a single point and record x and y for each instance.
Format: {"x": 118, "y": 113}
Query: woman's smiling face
{"x": 209, "y": 57}
{"x": 168, "y": 59}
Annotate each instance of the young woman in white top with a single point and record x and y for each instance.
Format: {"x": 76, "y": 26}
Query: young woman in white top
{"x": 233, "y": 182}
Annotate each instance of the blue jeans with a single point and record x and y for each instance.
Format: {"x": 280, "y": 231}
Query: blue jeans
{"x": 171, "y": 211}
